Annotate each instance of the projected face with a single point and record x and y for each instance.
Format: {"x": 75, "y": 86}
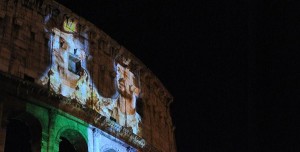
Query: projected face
{"x": 126, "y": 103}
{"x": 121, "y": 86}
{"x": 68, "y": 75}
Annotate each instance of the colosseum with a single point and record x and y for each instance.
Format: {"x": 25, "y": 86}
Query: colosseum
{"x": 68, "y": 86}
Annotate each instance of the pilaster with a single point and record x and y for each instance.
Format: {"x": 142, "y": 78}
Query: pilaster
{"x": 44, "y": 142}
{"x": 2, "y": 139}
{"x": 53, "y": 144}
{"x": 2, "y": 129}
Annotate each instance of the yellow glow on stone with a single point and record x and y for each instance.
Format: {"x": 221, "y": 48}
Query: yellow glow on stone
{"x": 70, "y": 25}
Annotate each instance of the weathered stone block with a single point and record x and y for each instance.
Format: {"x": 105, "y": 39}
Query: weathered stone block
{"x": 21, "y": 44}
{"x": 5, "y": 53}
{"x": 3, "y": 67}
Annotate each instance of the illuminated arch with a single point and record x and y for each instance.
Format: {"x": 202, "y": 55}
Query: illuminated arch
{"x": 74, "y": 136}
{"x": 108, "y": 148}
{"x": 34, "y": 126}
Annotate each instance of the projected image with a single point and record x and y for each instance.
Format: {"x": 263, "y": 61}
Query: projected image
{"x": 125, "y": 106}
{"x": 108, "y": 143}
{"x": 68, "y": 76}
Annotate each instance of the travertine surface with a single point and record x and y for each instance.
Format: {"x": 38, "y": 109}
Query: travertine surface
{"x": 24, "y": 53}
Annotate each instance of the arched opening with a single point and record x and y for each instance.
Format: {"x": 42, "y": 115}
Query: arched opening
{"x": 66, "y": 146}
{"x": 109, "y": 150}
{"x": 18, "y": 137}
{"x": 72, "y": 141}
{"x": 23, "y": 134}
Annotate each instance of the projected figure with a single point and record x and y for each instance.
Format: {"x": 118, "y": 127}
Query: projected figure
{"x": 68, "y": 76}
{"x": 125, "y": 108}
{"x": 67, "y": 73}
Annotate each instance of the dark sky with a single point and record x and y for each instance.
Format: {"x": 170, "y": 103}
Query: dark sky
{"x": 232, "y": 66}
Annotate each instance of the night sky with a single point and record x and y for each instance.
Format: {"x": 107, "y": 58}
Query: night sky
{"x": 232, "y": 66}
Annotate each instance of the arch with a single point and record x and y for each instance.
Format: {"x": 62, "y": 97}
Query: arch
{"x": 74, "y": 136}
{"x": 108, "y": 148}
{"x": 66, "y": 146}
{"x": 31, "y": 124}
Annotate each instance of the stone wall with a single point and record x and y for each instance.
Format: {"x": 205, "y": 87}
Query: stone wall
{"x": 24, "y": 53}
{"x": 47, "y": 125}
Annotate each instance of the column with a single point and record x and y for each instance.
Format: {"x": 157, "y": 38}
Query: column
{"x": 2, "y": 139}
{"x": 2, "y": 129}
{"x": 53, "y": 144}
{"x": 44, "y": 143}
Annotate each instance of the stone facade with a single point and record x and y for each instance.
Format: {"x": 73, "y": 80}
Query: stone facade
{"x": 24, "y": 56}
